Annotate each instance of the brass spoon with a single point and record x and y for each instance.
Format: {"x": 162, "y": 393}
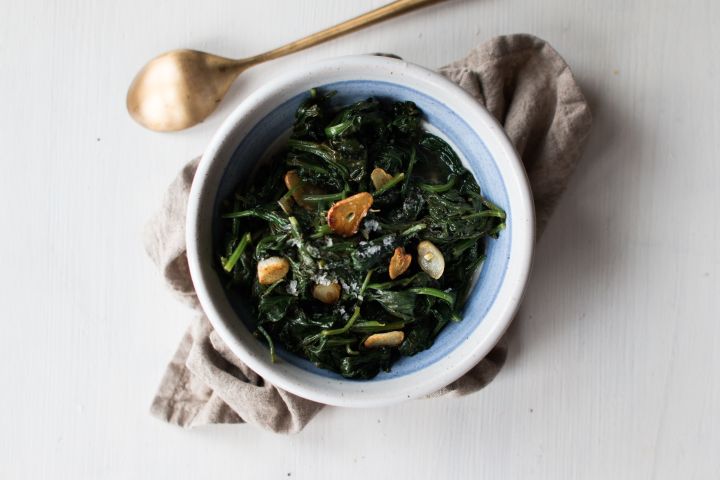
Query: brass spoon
{"x": 181, "y": 88}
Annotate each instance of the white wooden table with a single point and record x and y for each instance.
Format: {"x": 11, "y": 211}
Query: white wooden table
{"x": 614, "y": 370}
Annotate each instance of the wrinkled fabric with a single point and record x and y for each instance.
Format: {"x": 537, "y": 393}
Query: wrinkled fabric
{"x": 525, "y": 85}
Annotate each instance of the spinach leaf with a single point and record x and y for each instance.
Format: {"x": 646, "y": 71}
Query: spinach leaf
{"x": 366, "y": 365}
{"x": 400, "y": 303}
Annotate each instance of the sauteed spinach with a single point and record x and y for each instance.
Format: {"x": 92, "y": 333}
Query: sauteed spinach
{"x": 357, "y": 243}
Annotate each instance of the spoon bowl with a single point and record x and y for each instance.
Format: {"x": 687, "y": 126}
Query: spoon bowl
{"x": 180, "y": 88}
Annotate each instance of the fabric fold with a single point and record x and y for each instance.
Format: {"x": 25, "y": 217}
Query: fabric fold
{"x": 525, "y": 84}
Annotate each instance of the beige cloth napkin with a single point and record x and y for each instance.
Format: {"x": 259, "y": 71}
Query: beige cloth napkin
{"x": 525, "y": 84}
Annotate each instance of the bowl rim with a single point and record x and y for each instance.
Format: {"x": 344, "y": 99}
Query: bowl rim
{"x": 348, "y": 392}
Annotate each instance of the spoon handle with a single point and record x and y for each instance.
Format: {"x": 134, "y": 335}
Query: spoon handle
{"x": 378, "y": 15}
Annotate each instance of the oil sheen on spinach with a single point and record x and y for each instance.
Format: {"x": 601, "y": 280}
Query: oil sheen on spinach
{"x": 427, "y": 196}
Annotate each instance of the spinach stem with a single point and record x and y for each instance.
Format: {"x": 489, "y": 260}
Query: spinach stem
{"x": 243, "y": 213}
{"x": 394, "y": 181}
{"x": 491, "y": 205}
{"x": 305, "y": 256}
{"x": 485, "y": 213}
{"x": 330, "y": 197}
{"x": 345, "y": 328}
{"x": 411, "y": 164}
{"x": 268, "y": 239}
{"x": 270, "y": 342}
{"x": 268, "y": 216}
{"x": 403, "y": 282}
{"x": 339, "y": 341}
{"x": 295, "y": 227}
{"x": 434, "y": 292}
{"x": 272, "y": 287}
{"x": 289, "y": 193}
{"x": 443, "y": 187}
{"x": 321, "y": 231}
{"x": 237, "y": 253}
{"x": 235, "y": 224}
{"x": 464, "y": 245}
{"x": 370, "y": 326}
{"x": 414, "y": 229}
{"x": 365, "y": 282}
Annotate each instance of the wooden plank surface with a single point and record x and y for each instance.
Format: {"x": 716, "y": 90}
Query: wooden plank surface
{"x": 614, "y": 370}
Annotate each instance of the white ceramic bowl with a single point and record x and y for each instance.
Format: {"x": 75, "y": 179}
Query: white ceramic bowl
{"x": 266, "y": 115}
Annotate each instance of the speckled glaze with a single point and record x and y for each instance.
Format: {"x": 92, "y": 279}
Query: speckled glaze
{"x": 264, "y": 117}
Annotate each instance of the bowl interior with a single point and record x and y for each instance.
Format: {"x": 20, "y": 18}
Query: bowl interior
{"x": 440, "y": 119}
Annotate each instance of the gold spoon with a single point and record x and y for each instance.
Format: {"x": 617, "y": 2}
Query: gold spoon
{"x": 181, "y": 88}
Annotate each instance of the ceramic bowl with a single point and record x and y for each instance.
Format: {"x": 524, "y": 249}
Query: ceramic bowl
{"x": 254, "y": 128}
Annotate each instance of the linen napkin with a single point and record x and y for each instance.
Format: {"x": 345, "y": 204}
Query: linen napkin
{"x": 525, "y": 84}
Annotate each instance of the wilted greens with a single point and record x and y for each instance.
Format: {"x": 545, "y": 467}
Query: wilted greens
{"x": 326, "y": 293}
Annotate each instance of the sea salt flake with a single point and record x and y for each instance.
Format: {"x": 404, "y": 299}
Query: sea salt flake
{"x": 370, "y": 226}
{"x": 370, "y": 251}
{"x": 351, "y": 289}
{"x": 322, "y": 279}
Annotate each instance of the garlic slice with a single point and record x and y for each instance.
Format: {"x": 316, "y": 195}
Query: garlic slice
{"x": 344, "y": 216}
{"x": 399, "y": 263}
{"x": 385, "y": 339}
{"x": 272, "y": 269}
{"x": 327, "y": 293}
{"x": 379, "y": 177}
{"x": 430, "y": 259}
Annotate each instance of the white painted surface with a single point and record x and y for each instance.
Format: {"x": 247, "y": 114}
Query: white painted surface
{"x": 614, "y": 370}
